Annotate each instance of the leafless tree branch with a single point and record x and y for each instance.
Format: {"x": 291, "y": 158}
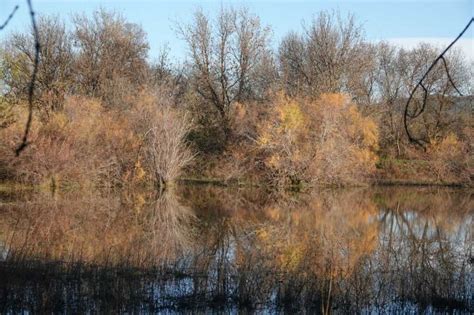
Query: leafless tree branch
{"x": 449, "y": 76}
{"x": 31, "y": 88}
{"x": 407, "y": 115}
{"x": 9, "y": 18}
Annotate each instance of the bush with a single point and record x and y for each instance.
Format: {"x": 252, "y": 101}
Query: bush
{"x": 76, "y": 145}
{"x": 86, "y": 145}
{"x": 325, "y": 142}
{"x": 451, "y": 160}
{"x": 162, "y": 130}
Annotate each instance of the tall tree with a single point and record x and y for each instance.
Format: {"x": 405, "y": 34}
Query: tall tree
{"x": 327, "y": 57}
{"x": 229, "y": 58}
{"x": 111, "y": 58}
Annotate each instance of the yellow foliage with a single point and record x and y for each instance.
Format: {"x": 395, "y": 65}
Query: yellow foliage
{"x": 263, "y": 234}
{"x": 139, "y": 203}
{"x": 274, "y": 161}
{"x": 450, "y": 159}
{"x": 139, "y": 171}
{"x": 291, "y": 116}
{"x": 326, "y": 141}
{"x": 82, "y": 144}
{"x": 334, "y": 101}
{"x": 292, "y": 256}
{"x": 450, "y": 144}
{"x": 56, "y": 125}
{"x": 264, "y": 139}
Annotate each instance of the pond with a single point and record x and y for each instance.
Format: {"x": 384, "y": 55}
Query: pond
{"x": 230, "y": 250}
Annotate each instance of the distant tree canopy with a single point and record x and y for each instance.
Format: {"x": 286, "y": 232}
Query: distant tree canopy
{"x": 105, "y": 57}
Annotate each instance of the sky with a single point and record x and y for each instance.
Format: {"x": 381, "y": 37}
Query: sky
{"x": 404, "y": 22}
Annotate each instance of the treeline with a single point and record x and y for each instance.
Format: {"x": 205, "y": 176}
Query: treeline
{"x": 326, "y": 107}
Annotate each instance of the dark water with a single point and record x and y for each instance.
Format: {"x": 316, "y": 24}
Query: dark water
{"x": 208, "y": 249}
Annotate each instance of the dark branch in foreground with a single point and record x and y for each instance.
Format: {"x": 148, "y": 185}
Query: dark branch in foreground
{"x": 449, "y": 76}
{"x": 9, "y": 18}
{"x": 417, "y": 113}
{"x": 31, "y": 88}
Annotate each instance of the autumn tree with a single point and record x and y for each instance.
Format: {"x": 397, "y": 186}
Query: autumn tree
{"x": 161, "y": 70}
{"x": 111, "y": 61}
{"x": 388, "y": 91}
{"x": 452, "y": 160}
{"x": 167, "y": 76}
{"x": 440, "y": 89}
{"x": 326, "y": 141}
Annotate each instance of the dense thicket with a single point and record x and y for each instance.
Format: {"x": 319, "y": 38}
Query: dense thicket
{"x": 325, "y": 107}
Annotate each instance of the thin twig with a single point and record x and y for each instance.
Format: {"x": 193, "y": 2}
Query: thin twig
{"x": 449, "y": 75}
{"x": 9, "y": 18}
{"x": 31, "y": 88}
{"x": 406, "y": 114}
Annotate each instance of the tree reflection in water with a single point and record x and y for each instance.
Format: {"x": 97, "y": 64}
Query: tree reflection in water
{"x": 207, "y": 249}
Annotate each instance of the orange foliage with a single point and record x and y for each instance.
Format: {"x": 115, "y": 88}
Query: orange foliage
{"x": 451, "y": 160}
{"x": 87, "y": 145}
{"x": 328, "y": 234}
{"x": 326, "y": 142}
{"x": 83, "y": 144}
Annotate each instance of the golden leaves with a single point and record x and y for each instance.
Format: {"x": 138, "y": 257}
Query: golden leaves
{"x": 139, "y": 171}
{"x": 450, "y": 161}
{"x": 325, "y": 141}
{"x": 291, "y": 117}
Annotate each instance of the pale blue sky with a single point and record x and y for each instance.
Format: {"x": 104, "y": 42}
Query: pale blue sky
{"x": 405, "y": 22}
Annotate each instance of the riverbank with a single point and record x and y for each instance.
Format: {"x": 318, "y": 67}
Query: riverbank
{"x": 388, "y": 172}
{"x": 8, "y": 187}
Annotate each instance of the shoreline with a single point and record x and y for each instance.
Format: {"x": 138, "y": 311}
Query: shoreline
{"x": 9, "y": 186}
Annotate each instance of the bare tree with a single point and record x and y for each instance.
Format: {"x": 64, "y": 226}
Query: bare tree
{"x": 436, "y": 99}
{"x": 388, "y": 92}
{"x": 54, "y": 70}
{"x": 418, "y": 107}
{"x": 325, "y": 58}
{"x": 226, "y": 57}
{"x": 165, "y": 146}
{"x": 112, "y": 56}
{"x": 164, "y": 75}
{"x": 162, "y": 130}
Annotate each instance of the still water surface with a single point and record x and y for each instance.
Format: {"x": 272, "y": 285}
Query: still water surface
{"x": 211, "y": 249}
